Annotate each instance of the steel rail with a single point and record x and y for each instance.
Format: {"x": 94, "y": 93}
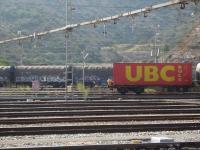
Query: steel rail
{"x": 113, "y": 118}
{"x": 103, "y": 101}
{"x": 94, "y": 97}
{"x": 98, "y": 128}
{"x": 100, "y": 112}
{"x": 155, "y": 146}
{"x": 98, "y": 92}
{"x": 61, "y": 108}
{"x": 87, "y": 104}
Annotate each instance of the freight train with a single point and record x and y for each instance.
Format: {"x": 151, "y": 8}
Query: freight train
{"x": 134, "y": 77}
{"x": 169, "y": 76}
{"x": 54, "y": 76}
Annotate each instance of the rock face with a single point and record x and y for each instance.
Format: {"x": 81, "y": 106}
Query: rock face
{"x": 189, "y": 47}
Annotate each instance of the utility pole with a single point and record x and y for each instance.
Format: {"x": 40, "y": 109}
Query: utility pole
{"x": 84, "y": 56}
{"x": 156, "y": 44}
{"x": 68, "y": 53}
{"x": 19, "y": 33}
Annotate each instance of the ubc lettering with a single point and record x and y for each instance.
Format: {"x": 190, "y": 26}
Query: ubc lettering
{"x": 163, "y": 73}
{"x": 150, "y": 73}
{"x": 138, "y": 75}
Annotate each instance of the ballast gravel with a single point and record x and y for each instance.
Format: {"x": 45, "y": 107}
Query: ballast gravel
{"x": 98, "y": 123}
{"x": 95, "y": 138}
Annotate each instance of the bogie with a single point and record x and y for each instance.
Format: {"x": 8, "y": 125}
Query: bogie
{"x": 122, "y": 90}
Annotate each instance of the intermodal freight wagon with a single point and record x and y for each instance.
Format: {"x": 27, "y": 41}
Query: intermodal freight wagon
{"x": 137, "y": 76}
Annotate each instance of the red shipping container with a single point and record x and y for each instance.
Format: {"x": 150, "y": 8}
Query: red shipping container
{"x": 152, "y": 74}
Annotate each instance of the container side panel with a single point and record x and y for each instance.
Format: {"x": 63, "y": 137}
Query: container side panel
{"x": 152, "y": 74}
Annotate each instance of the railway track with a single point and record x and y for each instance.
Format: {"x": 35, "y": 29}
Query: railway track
{"x": 106, "y": 102}
{"x": 116, "y": 118}
{"x": 96, "y": 96}
{"x": 96, "y": 111}
{"x": 20, "y": 131}
{"x": 99, "y": 112}
{"x": 51, "y": 108}
{"x": 39, "y": 117}
{"x": 175, "y": 145}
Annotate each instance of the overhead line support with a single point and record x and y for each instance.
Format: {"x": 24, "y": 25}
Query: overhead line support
{"x": 70, "y": 27}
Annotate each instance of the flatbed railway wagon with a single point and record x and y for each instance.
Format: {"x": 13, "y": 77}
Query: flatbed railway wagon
{"x": 138, "y": 76}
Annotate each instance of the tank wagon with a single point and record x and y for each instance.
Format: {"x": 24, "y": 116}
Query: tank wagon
{"x": 138, "y": 76}
{"x": 5, "y": 77}
{"x": 54, "y": 76}
{"x": 197, "y": 74}
{"x": 46, "y": 75}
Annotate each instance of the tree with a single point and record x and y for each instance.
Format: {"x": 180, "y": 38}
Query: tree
{"x": 4, "y": 62}
{"x": 166, "y": 48}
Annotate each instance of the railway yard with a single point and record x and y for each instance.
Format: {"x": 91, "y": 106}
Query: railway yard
{"x": 102, "y": 120}
{"x": 79, "y": 90}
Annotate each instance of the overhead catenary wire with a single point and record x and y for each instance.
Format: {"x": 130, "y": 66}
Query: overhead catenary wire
{"x": 104, "y": 20}
{"x": 99, "y": 6}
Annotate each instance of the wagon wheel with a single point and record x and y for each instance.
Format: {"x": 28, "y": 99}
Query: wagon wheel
{"x": 138, "y": 90}
{"x": 122, "y": 91}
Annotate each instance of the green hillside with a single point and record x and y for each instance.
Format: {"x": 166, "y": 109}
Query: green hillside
{"x": 124, "y": 41}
